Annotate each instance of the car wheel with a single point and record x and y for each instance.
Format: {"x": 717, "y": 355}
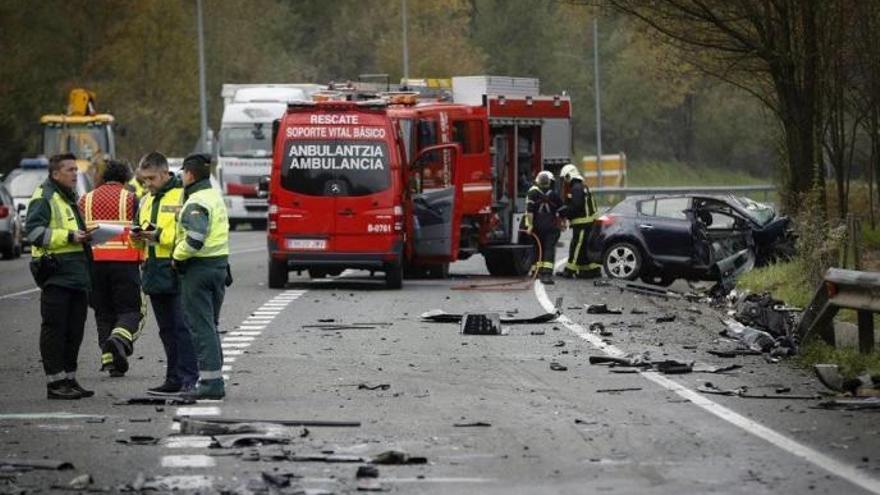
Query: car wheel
{"x": 623, "y": 261}
{"x": 9, "y": 252}
{"x": 394, "y": 276}
{"x": 277, "y": 274}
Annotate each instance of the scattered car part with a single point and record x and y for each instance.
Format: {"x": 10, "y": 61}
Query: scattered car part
{"x": 481, "y": 324}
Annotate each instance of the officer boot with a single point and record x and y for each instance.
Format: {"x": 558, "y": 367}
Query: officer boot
{"x": 206, "y": 389}
{"x": 72, "y": 383}
{"x": 566, "y": 273}
{"x": 61, "y": 390}
{"x": 117, "y": 348}
{"x": 546, "y": 276}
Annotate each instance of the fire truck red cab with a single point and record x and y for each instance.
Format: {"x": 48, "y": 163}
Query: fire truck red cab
{"x": 338, "y": 195}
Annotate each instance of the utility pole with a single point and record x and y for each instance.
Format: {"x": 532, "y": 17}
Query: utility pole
{"x": 598, "y": 103}
{"x": 405, "y": 41}
{"x": 203, "y": 122}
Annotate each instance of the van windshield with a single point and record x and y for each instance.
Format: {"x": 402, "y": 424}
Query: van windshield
{"x": 335, "y": 167}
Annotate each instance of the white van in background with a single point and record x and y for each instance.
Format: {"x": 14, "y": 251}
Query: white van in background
{"x": 245, "y": 145}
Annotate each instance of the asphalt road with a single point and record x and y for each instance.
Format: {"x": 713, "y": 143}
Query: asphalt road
{"x": 546, "y": 430}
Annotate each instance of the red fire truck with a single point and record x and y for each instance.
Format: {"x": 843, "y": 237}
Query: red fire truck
{"x": 405, "y": 183}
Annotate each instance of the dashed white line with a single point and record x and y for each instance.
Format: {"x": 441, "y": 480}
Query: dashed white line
{"x": 833, "y": 466}
{"x": 198, "y": 411}
{"x": 234, "y": 345}
{"x": 244, "y": 334}
{"x": 232, "y": 352}
{"x": 252, "y": 327}
{"x": 236, "y": 338}
{"x": 187, "y": 442}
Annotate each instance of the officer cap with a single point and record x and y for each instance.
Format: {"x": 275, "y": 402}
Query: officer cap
{"x": 544, "y": 179}
{"x": 196, "y": 161}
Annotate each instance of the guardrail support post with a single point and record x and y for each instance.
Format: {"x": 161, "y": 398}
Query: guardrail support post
{"x": 866, "y": 331}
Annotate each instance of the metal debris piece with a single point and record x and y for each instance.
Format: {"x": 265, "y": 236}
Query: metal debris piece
{"x": 709, "y": 388}
{"x": 80, "y": 482}
{"x": 558, "y": 367}
{"x": 617, "y": 390}
{"x": 673, "y": 367}
{"x": 282, "y": 422}
{"x": 632, "y": 360}
{"x": 249, "y": 440}
{"x": 330, "y": 458}
{"x": 440, "y": 316}
{"x": 602, "y": 309}
{"x": 733, "y": 353}
{"x": 537, "y": 332}
{"x": 702, "y": 368}
{"x": 481, "y": 324}
{"x": 398, "y": 457}
{"x": 559, "y": 343}
{"x": 367, "y": 471}
{"x": 754, "y": 339}
{"x": 381, "y": 386}
{"x": 667, "y": 318}
{"x": 475, "y": 424}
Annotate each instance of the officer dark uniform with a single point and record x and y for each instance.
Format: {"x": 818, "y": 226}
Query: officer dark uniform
{"x": 120, "y": 308}
{"x": 543, "y": 214}
{"x": 61, "y": 268}
{"x": 157, "y": 225}
{"x": 201, "y": 256}
{"x": 581, "y": 211}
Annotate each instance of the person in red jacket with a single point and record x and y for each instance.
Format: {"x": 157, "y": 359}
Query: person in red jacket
{"x": 116, "y": 287}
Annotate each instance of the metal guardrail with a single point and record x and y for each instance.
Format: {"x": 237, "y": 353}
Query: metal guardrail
{"x": 843, "y": 289}
{"x": 766, "y": 189}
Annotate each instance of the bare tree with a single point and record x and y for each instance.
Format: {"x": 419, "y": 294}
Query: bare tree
{"x": 770, "y": 48}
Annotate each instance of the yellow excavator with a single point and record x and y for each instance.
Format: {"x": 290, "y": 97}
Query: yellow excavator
{"x": 81, "y": 131}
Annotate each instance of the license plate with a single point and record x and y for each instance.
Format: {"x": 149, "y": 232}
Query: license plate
{"x": 307, "y": 244}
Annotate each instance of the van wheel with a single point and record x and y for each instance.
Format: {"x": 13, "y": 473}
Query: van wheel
{"x": 394, "y": 276}
{"x": 317, "y": 273}
{"x": 509, "y": 262}
{"x": 277, "y": 274}
{"x": 440, "y": 270}
{"x": 622, "y": 261}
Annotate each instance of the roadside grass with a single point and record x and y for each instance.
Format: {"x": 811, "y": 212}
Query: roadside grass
{"x": 851, "y": 362}
{"x": 646, "y": 173}
{"x": 787, "y": 281}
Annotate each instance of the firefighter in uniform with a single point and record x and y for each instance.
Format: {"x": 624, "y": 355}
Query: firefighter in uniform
{"x": 61, "y": 268}
{"x": 580, "y": 209}
{"x": 116, "y": 297}
{"x": 201, "y": 257}
{"x": 154, "y": 233}
{"x": 544, "y": 210}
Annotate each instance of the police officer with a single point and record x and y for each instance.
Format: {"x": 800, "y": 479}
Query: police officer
{"x": 544, "y": 210}
{"x": 116, "y": 279}
{"x": 154, "y": 232}
{"x": 61, "y": 267}
{"x": 580, "y": 209}
{"x": 201, "y": 257}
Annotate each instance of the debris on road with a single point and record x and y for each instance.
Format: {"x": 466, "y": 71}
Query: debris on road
{"x": 667, "y": 318}
{"x": 139, "y": 440}
{"x": 631, "y": 360}
{"x": 754, "y": 339}
{"x": 283, "y": 422}
{"x": 864, "y": 385}
{"x": 440, "y": 316}
{"x": 599, "y": 327}
{"x": 249, "y": 440}
{"x": 28, "y": 464}
{"x": 617, "y": 390}
{"x": 853, "y": 404}
{"x": 475, "y": 424}
{"x": 154, "y": 401}
{"x": 80, "y": 482}
{"x": 381, "y": 386}
{"x": 732, "y": 353}
{"x": 602, "y": 309}
{"x": 481, "y": 324}
{"x": 763, "y": 312}
{"x": 368, "y": 479}
{"x": 397, "y": 457}
{"x": 709, "y": 388}
{"x": 557, "y": 367}
{"x": 672, "y": 367}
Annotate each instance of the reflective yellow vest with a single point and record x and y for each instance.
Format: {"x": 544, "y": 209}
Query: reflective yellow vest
{"x": 216, "y": 242}
{"x": 63, "y": 222}
{"x": 165, "y": 221}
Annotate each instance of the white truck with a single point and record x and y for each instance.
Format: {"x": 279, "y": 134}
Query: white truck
{"x": 245, "y": 144}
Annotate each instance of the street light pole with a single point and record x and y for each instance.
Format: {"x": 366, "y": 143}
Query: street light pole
{"x": 405, "y": 40}
{"x": 598, "y": 103}
{"x": 203, "y": 122}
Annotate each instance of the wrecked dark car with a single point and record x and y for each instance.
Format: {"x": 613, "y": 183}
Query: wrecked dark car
{"x": 659, "y": 239}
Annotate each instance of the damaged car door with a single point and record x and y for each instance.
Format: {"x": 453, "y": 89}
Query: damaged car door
{"x": 723, "y": 239}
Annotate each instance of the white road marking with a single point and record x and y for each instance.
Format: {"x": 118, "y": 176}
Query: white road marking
{"x": 258, "y": 319}
{"x": 21, "y": 293}
{"x": 232, "y": 352}
{"x": 833, "y": 466}
{"x": 238, "y": 339}
{"x": 228, "y": 359}
{"x": 266, "y": 313}
{"x": 234, "y": 345}
{"x": 252, "y": 327}
{"x": 244, "y": 334}
{"x": 50, "y": 415}
{"x": 188, "y": 461}
{"x": 198, "y": 411}
{"x": 226, "y": 367}
{"x": 187, "y": 442}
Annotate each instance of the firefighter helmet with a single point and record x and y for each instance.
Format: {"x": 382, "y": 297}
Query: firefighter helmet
{"x": 570, "y": 172}
{"x": 544, "y": 179}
